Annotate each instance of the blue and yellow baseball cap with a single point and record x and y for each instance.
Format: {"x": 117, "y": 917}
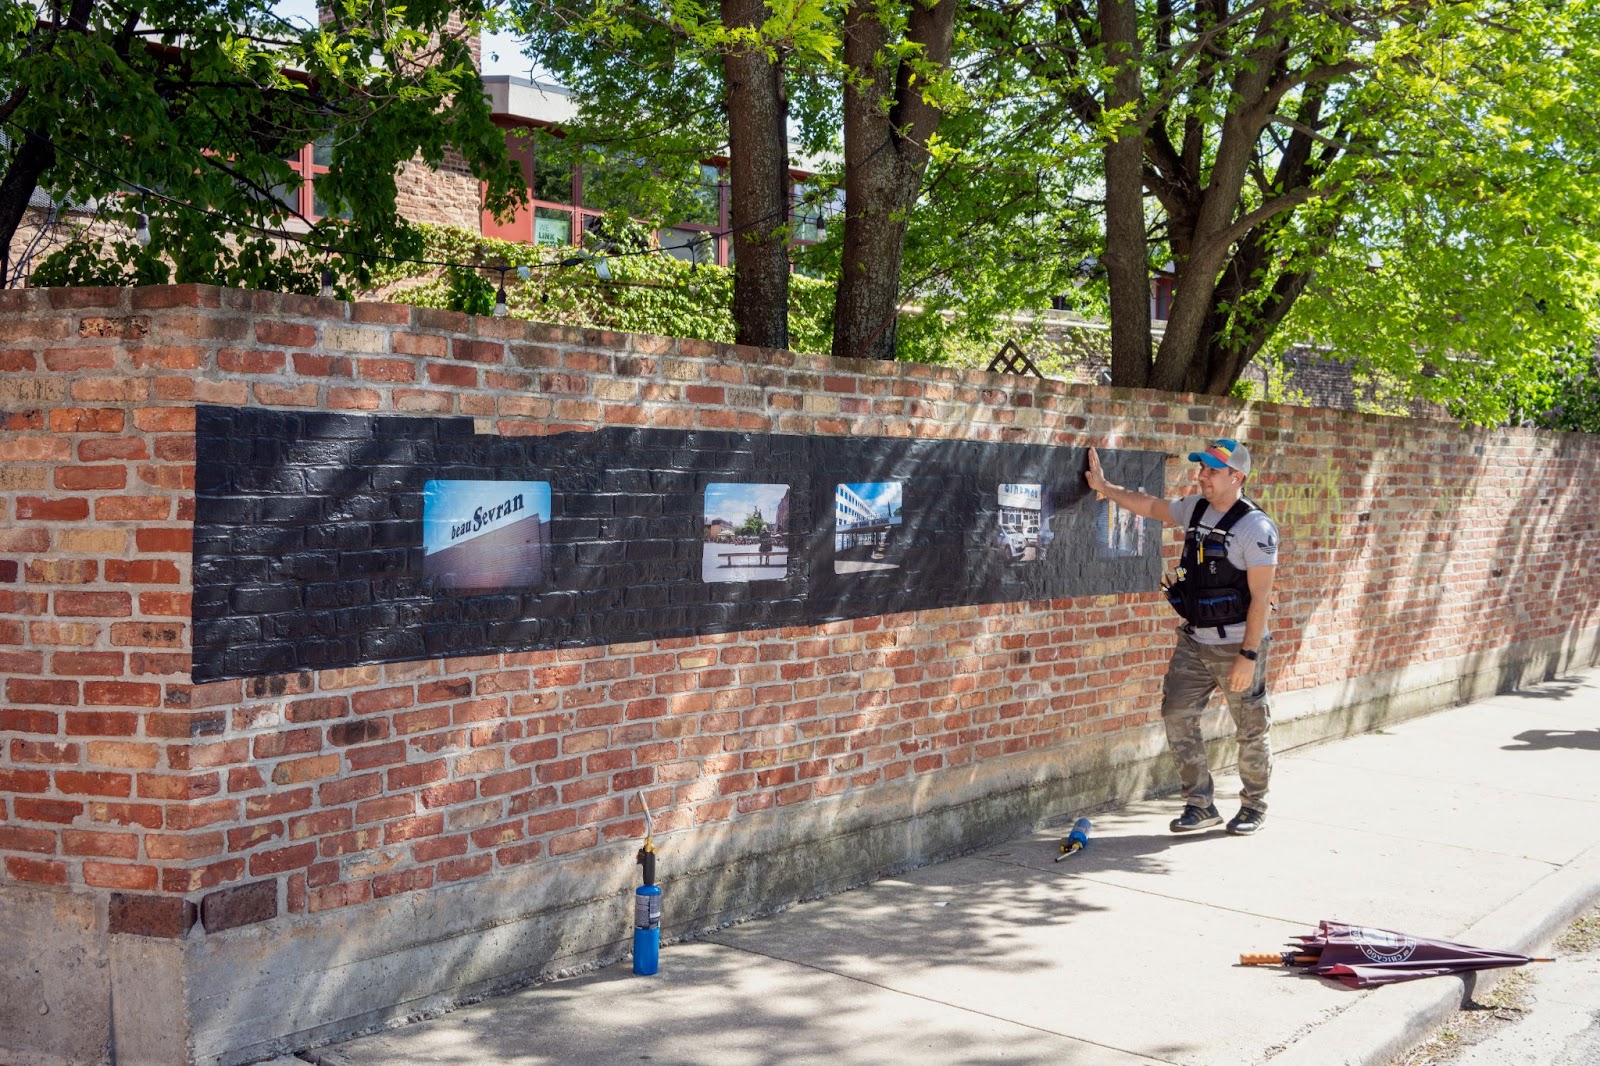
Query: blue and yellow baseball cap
{"x": 1224, "y": 453}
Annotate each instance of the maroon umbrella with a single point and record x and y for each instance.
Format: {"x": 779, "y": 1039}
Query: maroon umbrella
{"x": 1362, "y": 956}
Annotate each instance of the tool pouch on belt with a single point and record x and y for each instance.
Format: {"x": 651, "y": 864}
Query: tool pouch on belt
{"x": 1218, "y": 607}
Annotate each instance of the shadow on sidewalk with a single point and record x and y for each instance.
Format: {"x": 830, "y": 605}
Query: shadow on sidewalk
{"x": 1547, "y": 739}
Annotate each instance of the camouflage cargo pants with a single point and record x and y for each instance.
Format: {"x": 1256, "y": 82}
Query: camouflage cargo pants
{"x": 1195, "y": 672}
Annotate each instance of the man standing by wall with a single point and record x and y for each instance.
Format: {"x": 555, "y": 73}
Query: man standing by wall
{"x": 1223, "y": 590}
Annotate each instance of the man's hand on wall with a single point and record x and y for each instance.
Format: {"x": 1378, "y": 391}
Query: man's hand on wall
{"x": 1094, "y": 475}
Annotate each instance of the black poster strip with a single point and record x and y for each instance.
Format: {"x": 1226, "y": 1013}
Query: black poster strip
{"x": 332, "y": 540}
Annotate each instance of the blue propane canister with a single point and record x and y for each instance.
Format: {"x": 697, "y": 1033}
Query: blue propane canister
{"x": 1076, "y": 840}
{"x": 647, "y": 917}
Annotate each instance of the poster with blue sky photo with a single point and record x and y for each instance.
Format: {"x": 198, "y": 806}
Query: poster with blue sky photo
{"x": 867, "y": 516}
{"x": 485, "y": 534}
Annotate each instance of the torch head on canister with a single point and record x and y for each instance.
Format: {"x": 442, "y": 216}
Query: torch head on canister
{"x": 647, "y": 859}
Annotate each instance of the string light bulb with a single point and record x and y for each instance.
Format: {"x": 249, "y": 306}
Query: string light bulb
{"x": 500, "y": 308}
{"x": 327, "y": 283}
{"x": 141, "y": 232}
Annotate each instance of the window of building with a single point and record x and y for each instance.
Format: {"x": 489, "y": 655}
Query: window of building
{"x": 321, "y": 152}
{"x": 814, "y": 204}
{"x": 551, "y": 175}
{"x": 692, "y": 246}
{"x": 547, "y": 219}
{"x": 706, "y": 208}
{"x": 808, "y": 203}
{"x": 566, "y": 202}
{"x": 301, "y": 194}
{"x": 700, "y": 237}
{"x": 1161, "y": 294}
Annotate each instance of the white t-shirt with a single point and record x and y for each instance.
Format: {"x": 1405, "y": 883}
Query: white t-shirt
{"x": 1253, "y": 541}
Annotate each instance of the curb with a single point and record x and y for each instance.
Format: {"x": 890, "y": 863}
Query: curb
{"x": 1381, "y": 1027}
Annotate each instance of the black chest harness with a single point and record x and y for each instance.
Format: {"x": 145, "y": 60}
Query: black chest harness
{"x": 1209, "y": 590}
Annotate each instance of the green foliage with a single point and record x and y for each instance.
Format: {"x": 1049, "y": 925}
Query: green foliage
{"x": 1563, "y": 393}
{"x": 250, "y": 263}
{"x": 191, "y": 121}
{"x": 1469, "y": 266}
{"x": 468, "y": 291}
{"x": 646, "y": 293}
{"x": 101, "y": 263}
{"x": 1421, "y": 172}
{"x": 648, "y": 82}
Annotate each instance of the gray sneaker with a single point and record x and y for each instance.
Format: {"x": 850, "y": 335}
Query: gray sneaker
{"x": 1194, "y": 818}
{"x": 1247, "y": 822}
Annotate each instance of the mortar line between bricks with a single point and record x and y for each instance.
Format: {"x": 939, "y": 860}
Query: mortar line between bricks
{"x": 941, "y": 1002}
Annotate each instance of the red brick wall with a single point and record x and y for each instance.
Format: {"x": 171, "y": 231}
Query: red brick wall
{"x": 1404, "y": 542}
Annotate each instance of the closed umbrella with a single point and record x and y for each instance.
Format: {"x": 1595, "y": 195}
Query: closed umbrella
{"x": 1362, "y": 956}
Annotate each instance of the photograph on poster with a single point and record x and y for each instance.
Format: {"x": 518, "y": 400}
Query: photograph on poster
{"x": 867, "y": 524}
{"x": 1023, "y": 534}
{"x": 746, "y": 532}
{"x": 485, "y": 535}
{"x": 1119, "y": 533}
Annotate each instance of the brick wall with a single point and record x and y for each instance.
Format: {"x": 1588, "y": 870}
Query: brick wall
{"x": 501, "y": 791}
{"x": 448, "y": 196}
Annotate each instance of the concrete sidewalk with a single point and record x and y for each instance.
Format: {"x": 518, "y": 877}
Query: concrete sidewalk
{"x": 1479, "y": 824}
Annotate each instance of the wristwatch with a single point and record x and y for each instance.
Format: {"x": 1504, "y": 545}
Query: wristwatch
{"x": 1251, "y": 655}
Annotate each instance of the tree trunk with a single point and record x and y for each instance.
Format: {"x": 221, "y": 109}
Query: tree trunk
{"x": 33, "y": 157}
{"x": 1127, "y": 249}
{"x": 884, "y": 159}
{"x": 758, "y": 166}
{"x": 1185, "y": 341}
{"x": 1226, "y": 360}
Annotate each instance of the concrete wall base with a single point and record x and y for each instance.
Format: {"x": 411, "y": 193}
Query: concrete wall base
{"x": 55, "y": 988}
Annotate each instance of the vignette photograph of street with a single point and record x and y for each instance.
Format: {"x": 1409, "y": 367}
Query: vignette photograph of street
{"x": 746, "y": 532}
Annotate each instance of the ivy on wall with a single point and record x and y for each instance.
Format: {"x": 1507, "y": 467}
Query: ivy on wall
{"x": 644, "y": 293}
{"x": 650, "y": 292}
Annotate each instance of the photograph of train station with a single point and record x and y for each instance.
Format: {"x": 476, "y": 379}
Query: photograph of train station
{"x": 867, "y": 522}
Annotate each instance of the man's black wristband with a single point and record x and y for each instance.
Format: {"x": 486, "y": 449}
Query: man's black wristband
{"x": 1251, "y": 655}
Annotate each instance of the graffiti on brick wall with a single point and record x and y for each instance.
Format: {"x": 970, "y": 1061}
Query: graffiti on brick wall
{"x": 330, "y": 540}
{"x": 1306, "y": 508}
